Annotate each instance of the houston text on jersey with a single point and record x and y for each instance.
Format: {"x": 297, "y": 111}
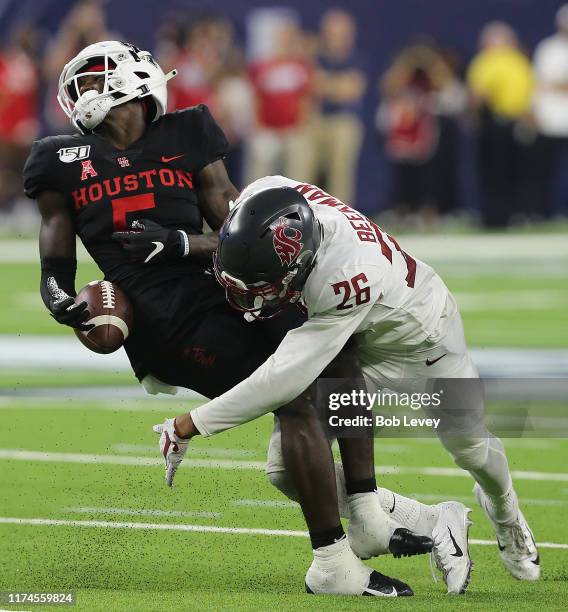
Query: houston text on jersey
{"x": 131, "y": 182}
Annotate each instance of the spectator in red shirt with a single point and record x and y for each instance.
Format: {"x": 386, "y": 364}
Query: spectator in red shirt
{"x": 281, "y": 141}
{"x": 200, "y": 61}
{"x": 19, "y": 121}
{"x": 422, "y": 98}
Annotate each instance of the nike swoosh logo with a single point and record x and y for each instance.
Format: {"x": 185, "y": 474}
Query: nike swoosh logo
{"x": 458, "y": 552}
{"x": 537, "y": 560}
{"x": 368, "y": 591}
{"x": 393, "y": 504}
{"x": 501, "y": 548}
{"x": 430, "y": 362}
{"x": 158, "y": 248}
{"x": 169, "y": 159}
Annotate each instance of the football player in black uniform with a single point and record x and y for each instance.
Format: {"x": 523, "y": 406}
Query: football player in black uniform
{"x": 135, "y": 185}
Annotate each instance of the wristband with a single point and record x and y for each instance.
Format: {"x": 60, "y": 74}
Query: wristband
{"x": 185, "y": 241}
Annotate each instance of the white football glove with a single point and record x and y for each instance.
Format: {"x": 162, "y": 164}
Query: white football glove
{"x": 172, "y": 448}
{"x": 90, "y": 112}
{"x": 153, "y": 386}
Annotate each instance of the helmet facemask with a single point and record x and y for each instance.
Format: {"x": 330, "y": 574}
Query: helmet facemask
{"x": 265, "y": 300}
{"x": 267, "y": 248}
{"x": 128, "y": 74}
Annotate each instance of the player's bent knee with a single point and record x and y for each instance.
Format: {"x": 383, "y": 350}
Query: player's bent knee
{"x": 283, "y": 483}
{"x": 302, "y": 407}
{"x": 470, "y": 455}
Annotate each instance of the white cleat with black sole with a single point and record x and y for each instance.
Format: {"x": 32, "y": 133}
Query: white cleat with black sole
{"x": 451, "y": 550}
{"x": 372, "y": 532}
{"x": 517, "y": 546}
{"x": 336, "y": 570}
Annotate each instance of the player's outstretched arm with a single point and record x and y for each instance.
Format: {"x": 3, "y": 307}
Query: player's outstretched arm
{"x": 172, "y": 447}
{"x": 59, "y": 262}
{"x": 299, "y": 360}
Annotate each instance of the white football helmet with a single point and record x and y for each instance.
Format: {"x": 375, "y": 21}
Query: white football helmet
{"x": 129, "y": 73}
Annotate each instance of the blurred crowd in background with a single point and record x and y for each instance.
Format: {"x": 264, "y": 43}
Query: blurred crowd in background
{"x": 291, "y": 102}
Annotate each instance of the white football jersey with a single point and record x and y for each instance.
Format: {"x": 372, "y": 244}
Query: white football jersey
{"x": 362, "y": 283}
{"x": 408, "y": 296}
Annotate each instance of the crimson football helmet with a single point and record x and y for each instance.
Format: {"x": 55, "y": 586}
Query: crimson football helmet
{"x": 267, "y": 247}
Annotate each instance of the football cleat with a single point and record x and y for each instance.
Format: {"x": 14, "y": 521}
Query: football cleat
{"x": 451, "y": 552}
{"x": 405, "y": 543}
{"x": 342, "y": 573}
{"x": 372, "y": 532}
{"x": 517, "y": 546}
{"x": 379, "y": 585}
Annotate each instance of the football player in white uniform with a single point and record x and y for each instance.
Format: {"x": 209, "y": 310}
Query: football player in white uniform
{"x": 286, "y": 241}
{"x": 115, "y": 94}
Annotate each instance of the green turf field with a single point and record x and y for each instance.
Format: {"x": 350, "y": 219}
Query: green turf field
{"x": 98, "y": 464}
{"x": 498, "y": 310}
{"x": 84, "y": 506}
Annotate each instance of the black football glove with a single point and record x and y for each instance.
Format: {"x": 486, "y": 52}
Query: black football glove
{"x": 150, "y": 242}
{"x": 63, "y": 308}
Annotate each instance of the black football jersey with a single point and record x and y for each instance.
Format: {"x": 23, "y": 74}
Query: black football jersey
{"x": 107, "y": 188}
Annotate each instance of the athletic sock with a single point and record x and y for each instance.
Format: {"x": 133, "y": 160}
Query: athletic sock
{"x": 411, "y": 514}
{"x": 494, "y": 476}
{"x": 495, "y": 480}
{"x": 366, "y": 485}
{"x": 503, "y": 508}
{"x": 336, "y": 570}
{"x": 327, "y": 537}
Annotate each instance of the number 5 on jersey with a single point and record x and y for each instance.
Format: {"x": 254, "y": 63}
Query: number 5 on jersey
{"x": 121, "y": 206}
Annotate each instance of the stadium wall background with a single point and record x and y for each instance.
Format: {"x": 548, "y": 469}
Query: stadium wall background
{"x": 384, "y": 27}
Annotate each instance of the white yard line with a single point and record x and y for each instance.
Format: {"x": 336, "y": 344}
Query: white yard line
{"x": 468, "y": 499}
{"x": 539, "y": 544}
{"x": 266, "y": 503}
{"x": 228, "y": 464}
{"x": 425, "y": 497}
{"x": 141, "y": 512}
{"x": 27, "y": 352}
{"x": 211, "y": 451}
{"x": 198, "y": 528}
{"x": 151, "y": 526}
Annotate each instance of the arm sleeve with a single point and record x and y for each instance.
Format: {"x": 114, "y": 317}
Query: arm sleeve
{"x": 62, "y": 270}
{"x": 38, "y": 175}
{"x": 299, "y": 360}
{"x": 213, "y": 143}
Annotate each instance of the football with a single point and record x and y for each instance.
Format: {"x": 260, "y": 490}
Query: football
{"x": 110, "y": 312}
